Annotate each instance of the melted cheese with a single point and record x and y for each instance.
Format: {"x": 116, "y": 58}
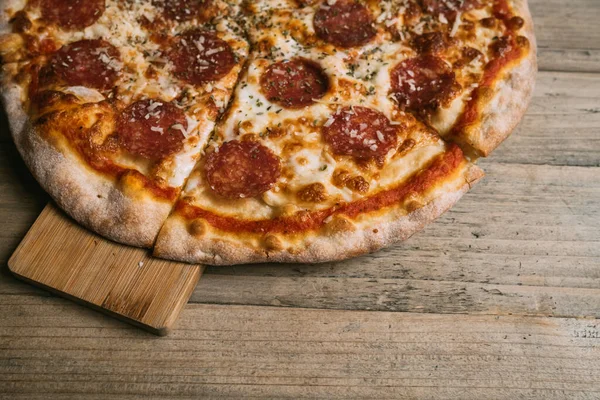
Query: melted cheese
{"x": 358, "y": 77}
{"x": 121, "y": 26}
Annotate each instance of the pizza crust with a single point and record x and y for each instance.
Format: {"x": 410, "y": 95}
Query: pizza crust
{"x": 93, "y": 200}
{"x": 176, "y": 243}
{"x": 512, "y": 94}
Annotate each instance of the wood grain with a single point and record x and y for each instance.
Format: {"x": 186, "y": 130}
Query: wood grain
{"x": 52, "y": 348}
{"x": 568, "y": 35}
{"x": 524, "y": 241}
{"x": 63, "y": 257}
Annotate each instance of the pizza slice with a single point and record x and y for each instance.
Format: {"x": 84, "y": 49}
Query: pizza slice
{"x": 312, "y": 162}
{"x": 112, "y": 102}
{"x": 465, "y": 67}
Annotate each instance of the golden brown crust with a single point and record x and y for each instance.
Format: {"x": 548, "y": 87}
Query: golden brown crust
{"x": 90, "y": 198}
{"x": 344, "y": 240}
{"x": 512, "y": 92}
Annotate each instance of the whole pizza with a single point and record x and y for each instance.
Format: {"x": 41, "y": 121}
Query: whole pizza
{"x": 232, "y": 131}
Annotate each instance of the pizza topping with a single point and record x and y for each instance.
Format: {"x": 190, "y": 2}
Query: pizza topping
{"x": 501, "y": 46}
{"x": 358, "y": 184}
{"x": 515, "y": 23}
{"x": 431, "y": 42}
{"x": 360, "y": 132}
{"x": 449, "y": 8}
{"x": 313, "y": 193}
{"x": 73, "y": 14}
{"x": 241, "y": 169}
{"x": 183, "y": 10}
{"x": 424, "y": 81}
{"x": 304, "y": 3}
{"x": 91, "y": 63}
{"x": 294, "y": 84}
{"x": 199, "y": 57}
{"x": 152, "y": 129}
{"x": 344, "y": 23}
{"x": 20, "y": 22}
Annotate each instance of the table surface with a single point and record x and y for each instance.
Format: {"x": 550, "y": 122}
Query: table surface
{"x": 500, "y": 298}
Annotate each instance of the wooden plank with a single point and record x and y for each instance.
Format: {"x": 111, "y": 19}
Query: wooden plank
{"x": 561, "y": 126}
{"x": 567, "y": 34}
{"x": 50, "y": 347}
{"x": 566, "y": 24}
{"x": 569, "y": 60}
{"x": 126, "y": 282}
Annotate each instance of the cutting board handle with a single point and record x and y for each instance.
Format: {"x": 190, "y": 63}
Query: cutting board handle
{"x": 59, "y": 255}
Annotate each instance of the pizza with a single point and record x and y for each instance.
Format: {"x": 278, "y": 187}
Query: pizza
{"x": 232, "y": 131}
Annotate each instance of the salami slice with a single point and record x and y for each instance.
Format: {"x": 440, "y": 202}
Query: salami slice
{"x": 200, "y": 56}
{"x": 449, "y": 7}
{"x": 183, "y": 10}
{"x": 294, "y": 84}
{"x": 360, "y": 132}
{"x": 91, "y": 63}
{"x": 152, "y": 129}
{"x": 72, "y": 14}
{"x": 346, "y": 23}
{"x": 241, "y": 169}
{"x": 424, "y": 81}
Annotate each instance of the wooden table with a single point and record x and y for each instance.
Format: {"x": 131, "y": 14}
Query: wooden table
{"x": 499, "y": 299}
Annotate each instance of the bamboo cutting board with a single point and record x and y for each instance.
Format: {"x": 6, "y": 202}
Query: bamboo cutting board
{"x": 126, "y": 282}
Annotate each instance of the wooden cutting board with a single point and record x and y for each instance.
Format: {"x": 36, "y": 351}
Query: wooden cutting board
{"x": 59, "y": 255}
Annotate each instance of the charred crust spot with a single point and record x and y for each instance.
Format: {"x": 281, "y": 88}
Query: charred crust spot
{"x": 272, "y": 243}
{"x": 485, "y": 93}
{"x": 151, "y": 73}
{"x": 489, "y": 22}
{"x": 467, "y": 25}
{"x": 501, "y": 46}
{"x": 469, "y": 54}
{"x": 522, "y": 42}
{"x": 406, "y": 146}
{"x": 304, "y": 3}
{"x": 21, "y": 22}
{"x": 197, "y": 228}
{"x": 358, "y": 184}
{"x": 515, "y": 23}
{"x": 413, "y": 205}
{"x": 130, "y": 182}
{"x": 340, "y": 177}
{"x": 431, "y": 42}
{"x": 339, "y": 224}
{"x": 313, "y": 193}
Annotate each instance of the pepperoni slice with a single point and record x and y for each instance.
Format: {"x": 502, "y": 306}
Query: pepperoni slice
{"x": 346, "y": 23}
{"x": 449, "y": 7}
{"x": 240, "y": 169}
{"x": 92, "y": 63}
{"x": 424, "y": 81}
{"x": 183, "y": 10}
{"x": 199, "y": 56}
{"x": 152, "y": 129}
{"x": 360, "y": 132}
{"x": 72, "y": 14}
{"x": 294, "y": 84}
